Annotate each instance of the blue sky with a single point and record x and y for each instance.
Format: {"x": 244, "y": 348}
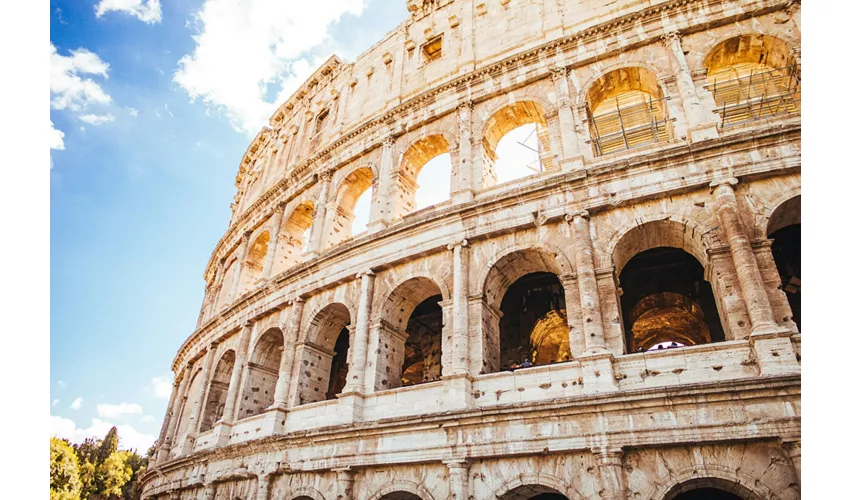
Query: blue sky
{"x": 152, "y": 107}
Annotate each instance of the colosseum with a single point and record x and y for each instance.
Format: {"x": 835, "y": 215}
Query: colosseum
{"x": 620, "y": 321}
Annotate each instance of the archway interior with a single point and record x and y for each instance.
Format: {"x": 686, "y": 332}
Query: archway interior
{"x": 785, "y": 229}
{"x": 753, "y": 76}
{"x": 423, "y": 347}
{"x": 533, "y": 492}
{"x": 401, "y": 495}
{"x": 352, "y": 206}
{"x": 424, "y": 175}
{"x": 533, "y": 326}
{"x": 263, "y": 372}
{"x": 295, "y": 236}
{"x": 516, "y": 143}
{"x": 666, "y": 299}
{"x": 706, "y": 494}
{"x": 626, "y": 109}
{"x": 254, "y": 261}
{"x": 217, "y": 393}
{"x": 339, "y": 365}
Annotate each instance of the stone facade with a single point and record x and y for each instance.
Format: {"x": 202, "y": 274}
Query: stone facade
{"x": 662, "y": 190}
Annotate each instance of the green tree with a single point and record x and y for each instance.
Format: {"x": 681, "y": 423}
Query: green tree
{"x": 108, "y": 446}
{"x": 112, "y": 474}
{"x": 64, "y": 471}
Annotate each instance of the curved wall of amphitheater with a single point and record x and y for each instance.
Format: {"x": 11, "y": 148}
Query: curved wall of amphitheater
{"x": 669, "y": 138}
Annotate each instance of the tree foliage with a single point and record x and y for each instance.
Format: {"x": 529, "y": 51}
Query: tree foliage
{"x": 64, "y": 471}
{"x": 95, "y": 469}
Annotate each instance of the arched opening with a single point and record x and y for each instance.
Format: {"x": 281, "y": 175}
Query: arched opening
{"x": 401, "y": 495}
{"x": 351, "y": 206}
{"x": 667, "y": 302}
{"x": 424, "y": 177}
{"x": 412, "y": 332}
{"x": 533, "y": 492}
{"x": 752, "y": 77}
{"x": 626, "y": 109}
{"x": 262, "y": 375}
{"x": 785, "y": 229}
{"x": 530, "y": 327}
{"x": 227, "y": 291}
{"x": 516, "y": 143}
{"x": 324, "y": 363}
{"x": 709, "y": 489}
{"x": 217, "y": 393}
{"x": 254, "y": 261}
{"x": 295, "y": 236}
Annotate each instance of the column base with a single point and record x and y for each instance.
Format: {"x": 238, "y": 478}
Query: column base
{"x": 350, "y": 407}
{"x": 571, "y": 163}
{"x": 457, "y": 391}
{"x": 275, "y": 418}
{"x": 376, "y": 225}
{"x": 774, "y": 352}
{"x": 703, "y": 132}
{"x": 162, "y": 454}
{"x": 188, "y": 445}
{"x": 463, "y": 196}
{"x": 310, "y": 255}
{"x": 221, "y": 433}
{"x": 597, "y": 372}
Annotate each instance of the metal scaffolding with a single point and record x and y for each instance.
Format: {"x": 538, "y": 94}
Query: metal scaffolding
{"x": 638, "y": 121}
{"x": 761, "y": 92}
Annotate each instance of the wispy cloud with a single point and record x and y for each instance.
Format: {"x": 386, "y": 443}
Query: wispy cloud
{"x": 244, "y": 48}
{"x": 162, "y": 386}
{"x": 68, "y": 89}
{"x": 133, "y": 111}
{"x": 93, "y": 119}
{"x": 118, "y": 411}
{"x": 55, "y": 402}
{"x": 61, "y": 383}
{"x": 148, "y": 11}
{"x": 128, "y": 437}
{"x": 146, "y": 418}
{"x": 76, "y": 404}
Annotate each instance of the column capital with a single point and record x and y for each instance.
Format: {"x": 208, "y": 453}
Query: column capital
{"x": 279, "y": 207}
{"x": 671, "y": 37}
{"x": 791, "y": 6}
{"x": 465, "y": 106}
{"x": 248, "y": 323}
{"x": 246, "y": 235}
{"x": 298, "y": 299}
{"x": 584, "y": 214}
{"x": 325, "y": 175}
{"x": 608, "y": 454}
{"x": 558, "y": 71}
{"x": 388, "y": 142}
{"x": 462, "y": 243}
{"x": 456, "y": 463}
{"x": 367, "y": 272}
{"x": 729, "y": 181}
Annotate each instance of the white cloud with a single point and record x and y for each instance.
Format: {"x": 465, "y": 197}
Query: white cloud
{"x": 93, "y": 119}
{"x": 55, "y": 402}
{"x": 244, "y": 48}
{"x": 76, "y": 404}
{"x": 68, "y": 90}
{"x": 149, "y": 11}
{"x": 162, "y": 386}
{"x": 61, "y": 383}
{"x": 117, "y": 411}
{"x": 133, "y": 111}
{"x": 128, "y": 437}
{"x": 146, "y": 418}
{"x": 57, "y": 142}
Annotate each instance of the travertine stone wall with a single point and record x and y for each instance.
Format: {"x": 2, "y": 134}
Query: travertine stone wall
{"x": 249, "y": 417}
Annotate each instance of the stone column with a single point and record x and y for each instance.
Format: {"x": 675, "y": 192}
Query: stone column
{"x": 344, "y": 483}
{"x": 461, "y": 189}
{"x": 591, "y": 316}
{"x": 381, "y": 210}
{"x": 609, "y": 461}
{"x": 194, "y": 421}
{"x": 166, "y": 424}
{"x": 240, "y": 263}
{"x": 264, "y": 486}
{"x": 771, "y": 343}
{"x": 274, "y": 235}
{"x": 460, "y": 307}
{"x": 793, "y": 450}
{"x": 458, "y": 479}
{"x": 572, "y": 157}
{"x": 179, "y": 405}
{"x": 357, "y": 367}
{"x": 209, "y": 492}
{"x": 782, "y": 313}
{"x": 317, "y": 230}
{"x": 219, "y": 277}
{"x": 236, "y": 376}
{"x": 699, "y": 128}
{"x": 290, "y": 338}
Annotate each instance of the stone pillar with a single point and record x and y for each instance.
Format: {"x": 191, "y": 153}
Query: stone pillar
{"x": 591, "y": 316}
{"x": 179, "y": 405}
{"x": 782, "y": 313}
{"x": 209, "y": 492}
{"x": 772, "y": 344}
{"x": 571, "y": 157}
{"x": 317, "y": 231}
{"x": 194, "y": 421}
{"x": 290, "y": 338}
{"x": 381, "y": 210}
{"x": 609, "y": 462}
{"x": 166, "y": 424}
{"x": 344, "y": 483}
{"x": 357, "y": 367}
{"x": 572, "y": 302}
{"x": 264, "y": 486}
{"x": 219, "y": 277}
{"x": 699, "y": 128}
{"x": 461, "y": 189}
{"x": 727, "y": 294}
{"x": 458, "y": 479}
{"x": 460, "y": 307}
{"x": 793, "y": 450}
{"x": 236, "y": 376}
{"x": 274, "y": 235}
{"x": 240, "y": 264}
